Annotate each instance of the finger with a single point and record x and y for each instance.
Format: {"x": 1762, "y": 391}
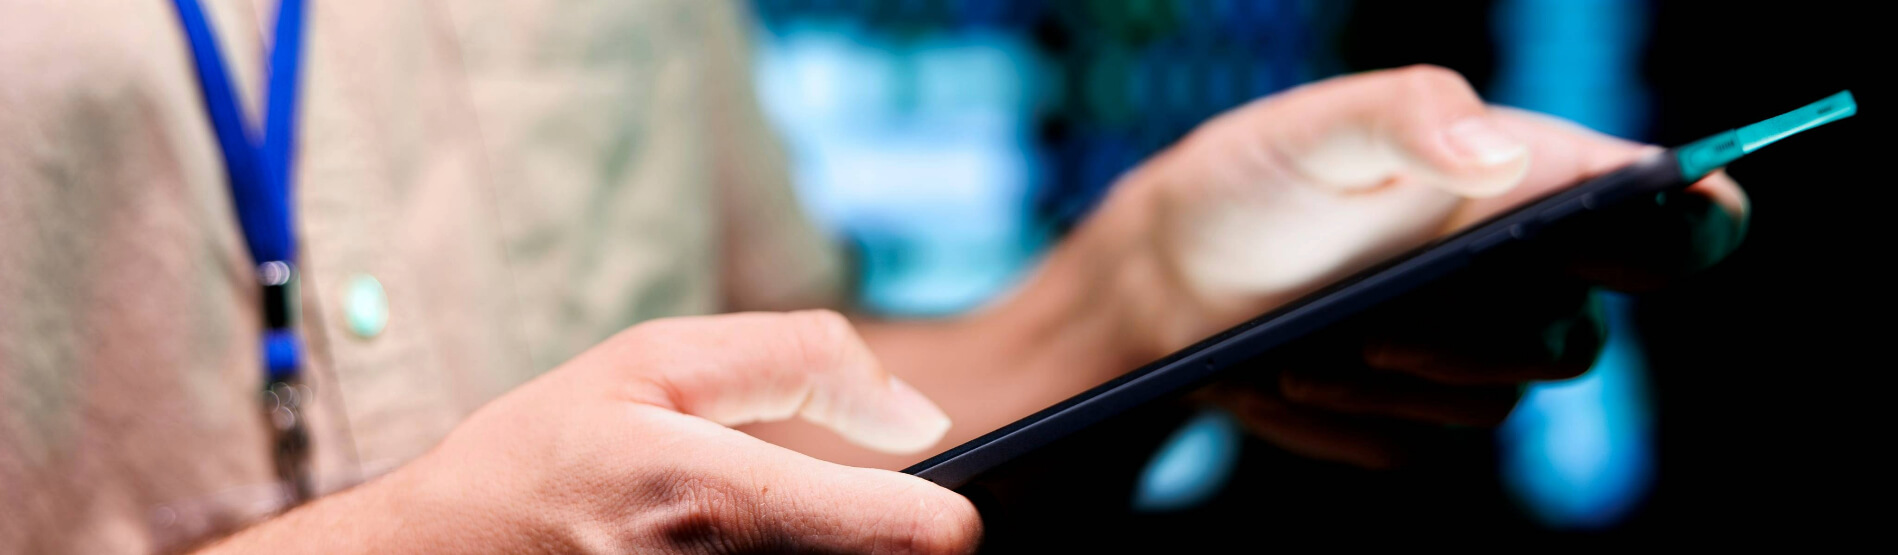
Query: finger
{"x": 1565, "y": 152}
{"x": 1478, "y": 355}
{"x": 1372, "y": 393}
{"x": 1313, "y": 182}
{"x": 735, "y": 493}
{"x": 742, "y": 368}
{"x": 1491, "y": 325}
{"x": 1420, "y": 124}
{"x": 1642, "y": 246}
{"x": 1634, "y": 246}
{"x": 1358, "y": 441}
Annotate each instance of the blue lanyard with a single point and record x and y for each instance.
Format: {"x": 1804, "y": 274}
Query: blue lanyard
{"x": 259, "y": 171}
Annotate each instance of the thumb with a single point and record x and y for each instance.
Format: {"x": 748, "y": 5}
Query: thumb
{"x": 1420, "y": 124}
{"x": 742, "y": 368}
{"x": 1327, "y": 178}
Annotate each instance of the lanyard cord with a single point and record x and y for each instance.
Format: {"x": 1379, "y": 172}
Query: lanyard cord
{"x": 260, "y": 177}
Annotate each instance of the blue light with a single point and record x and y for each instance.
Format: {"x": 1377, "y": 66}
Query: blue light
{"x": 914, "y": 148}
{"x": 1191, "y": 466}
{"x": 1579, "y": 454}
{"x": 1577, "y": 60}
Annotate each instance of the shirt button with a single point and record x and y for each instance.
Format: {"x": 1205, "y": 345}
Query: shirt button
{"x": 365, "y": 306}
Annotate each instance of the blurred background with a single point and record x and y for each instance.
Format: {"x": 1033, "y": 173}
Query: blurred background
{"x": 952, "y": 141}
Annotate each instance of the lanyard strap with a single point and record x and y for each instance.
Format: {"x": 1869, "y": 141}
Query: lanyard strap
{"x": 259, "y": 170}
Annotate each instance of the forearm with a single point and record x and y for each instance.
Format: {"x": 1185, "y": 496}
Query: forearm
{"x": 406, "y": 511}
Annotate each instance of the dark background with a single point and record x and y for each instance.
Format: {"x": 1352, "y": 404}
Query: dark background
{"x": 1767, "y": 366}
{"x": 1763, "y": 371}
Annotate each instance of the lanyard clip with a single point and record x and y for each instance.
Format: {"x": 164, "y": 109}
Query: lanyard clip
{"x": 284, "y": 394}
{"x": 283, "y": 353}
{"x": 279, "y": 280}
{"x": 283, "y": 404}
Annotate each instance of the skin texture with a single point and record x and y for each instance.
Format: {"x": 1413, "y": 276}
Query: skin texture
{"x": 627, "y": 447}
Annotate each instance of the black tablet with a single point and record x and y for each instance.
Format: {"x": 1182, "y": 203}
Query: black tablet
{"x": 1179, "y": 372}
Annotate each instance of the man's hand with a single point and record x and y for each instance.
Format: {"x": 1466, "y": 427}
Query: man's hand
{"x": 626, "y": 449}
{"x": 1277, "y": 198}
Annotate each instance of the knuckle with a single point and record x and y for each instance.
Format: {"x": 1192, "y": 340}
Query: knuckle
{"x": 703, "y": 511}
{"x": 828, "y": 323}
{"x": 821, "y": 337}
{"x": 1428, "y": 82}
{"x": 698, "y": 493}
{"x": 1431, "y": 76}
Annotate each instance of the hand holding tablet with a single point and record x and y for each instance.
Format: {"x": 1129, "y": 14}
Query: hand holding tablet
{"x": 1583, "y": 216}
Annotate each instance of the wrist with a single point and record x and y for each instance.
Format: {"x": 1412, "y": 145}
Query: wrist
{"x": 1127, "y": 243}
{"x": 410, "y": 510}
{"x": 1137, "y": 246}
{"x": 1104, "y": 299}
{"x": 434, "y": 505}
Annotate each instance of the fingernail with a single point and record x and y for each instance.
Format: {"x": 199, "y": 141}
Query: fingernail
{"x": 1478, "y": 141}
{"x": 919, "y": 413}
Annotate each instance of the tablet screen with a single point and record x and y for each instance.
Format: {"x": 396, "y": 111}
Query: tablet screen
{"x": 1192, "y": 470}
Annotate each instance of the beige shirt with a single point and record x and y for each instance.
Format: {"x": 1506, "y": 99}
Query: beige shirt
{"x": 524, "y": 178}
